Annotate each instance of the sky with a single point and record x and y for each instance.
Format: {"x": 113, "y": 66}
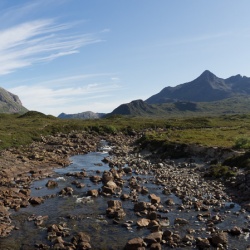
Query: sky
{"x": 73, "y": 56}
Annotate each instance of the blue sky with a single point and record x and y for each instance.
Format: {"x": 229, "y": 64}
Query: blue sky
{"x": 79, "y": 55}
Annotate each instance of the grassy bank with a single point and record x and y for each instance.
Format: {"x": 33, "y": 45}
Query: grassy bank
{"x": 222, "y": 131}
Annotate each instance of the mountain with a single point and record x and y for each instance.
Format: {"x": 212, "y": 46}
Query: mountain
{"x": 233, "y": 105}
{"x": 206, "y": 95}
{"x": 83, "y": 115}
{"x": 206, "y": 88}
{"x": 136, "y": 108}
{"x": 10, "y": 103}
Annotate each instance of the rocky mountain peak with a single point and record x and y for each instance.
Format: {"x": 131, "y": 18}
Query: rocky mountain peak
{"x": 207, "y": 76}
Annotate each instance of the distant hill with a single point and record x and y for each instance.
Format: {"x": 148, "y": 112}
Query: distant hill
{"x": 206, "y": 88}
{"x": 37, "y": 115}
{"x": 10, "y": 103}
{"x": 83, "y": 115}
{"x": 136, "y": 108}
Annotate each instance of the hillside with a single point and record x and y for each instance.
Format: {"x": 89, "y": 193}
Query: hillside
{"x": 206, "y": 88}
{"x": 136, "y": 108}
{"x": 10, "y": 103}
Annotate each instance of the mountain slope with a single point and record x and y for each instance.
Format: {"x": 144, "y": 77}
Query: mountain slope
{"x": 136, "y": 108}
{"x": 83, "y": 115}
{"x": 206, "y": 88}
{"x": 10, "y": 103}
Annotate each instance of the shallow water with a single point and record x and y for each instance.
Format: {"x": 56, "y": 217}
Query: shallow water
{"x": 89, "y": 214}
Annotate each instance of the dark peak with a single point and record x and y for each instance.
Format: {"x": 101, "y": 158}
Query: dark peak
{"x": 137, "y": 101}
{"x": 207, "y": 75}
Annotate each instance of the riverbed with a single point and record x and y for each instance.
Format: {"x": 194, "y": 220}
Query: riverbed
{"x": 82, "y": 213}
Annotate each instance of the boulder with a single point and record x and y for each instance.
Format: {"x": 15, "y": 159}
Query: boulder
{"x": 127, "y": 170}
{"x": 95, "y": 178}
{"x": 111, "y": 184}
{"x": 181, "y": 221}
{"x": 143, "y": 222}
{"x": 67, "y": 191}
{"x": 124, "y": 197}
{"x": 106, "y": 177}
{"x": 202, "y": 243}
{"x": 152, "y": 215}
{"x": 155, "y": 246}
{"x": 134, "y": 244}
{"x": 81, "y": 241}
{"x": 144, "y": 190}
{"x": 170, "y": 202}
{"x": 153, "y": 238}
{"x": 80, "y": 237}
{"x": 235, "y": 231}
{"x": 115, "y": 210}
{"x": 93, "y": 193}
{"x": 36, "y": 200}
{"x": 141, "y": 206}
{"x": 219, "y": 238}
{"x": 154, "y": 199}
{"x": 51, "y": 184}
{"x": 114, "y": 204}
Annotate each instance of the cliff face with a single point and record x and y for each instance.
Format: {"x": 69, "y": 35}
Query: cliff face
{"x": 10, "y": 103}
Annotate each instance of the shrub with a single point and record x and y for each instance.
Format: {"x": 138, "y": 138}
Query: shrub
{"x": 109, "y": 129}
{"x": 242, "y": 143}
{"x": 219, "y": 171}
{"x": 241, "y": 161}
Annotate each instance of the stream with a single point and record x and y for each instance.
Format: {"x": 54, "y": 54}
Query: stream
{"x": 82, "y": 213}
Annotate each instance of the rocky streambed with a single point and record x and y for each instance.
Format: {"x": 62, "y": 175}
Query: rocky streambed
{"x": 120, "y": 200}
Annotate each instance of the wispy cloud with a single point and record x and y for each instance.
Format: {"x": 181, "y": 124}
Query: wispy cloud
{"x": 193, "y": 39}
{"x": 28, "y": 37}
{"x": 203, "y": 37}
{"x": 38, "y": 41}
{"x": 75, "y": 79}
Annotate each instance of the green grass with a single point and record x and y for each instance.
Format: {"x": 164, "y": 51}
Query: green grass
{"x": 221, "y": 131}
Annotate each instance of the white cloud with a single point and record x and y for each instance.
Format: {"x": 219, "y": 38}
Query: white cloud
{"x": 37, "y": 41}
{"x": 115, "y": 79}
{"x": 105, "y": 30}
{"x": 74, "y": 99}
